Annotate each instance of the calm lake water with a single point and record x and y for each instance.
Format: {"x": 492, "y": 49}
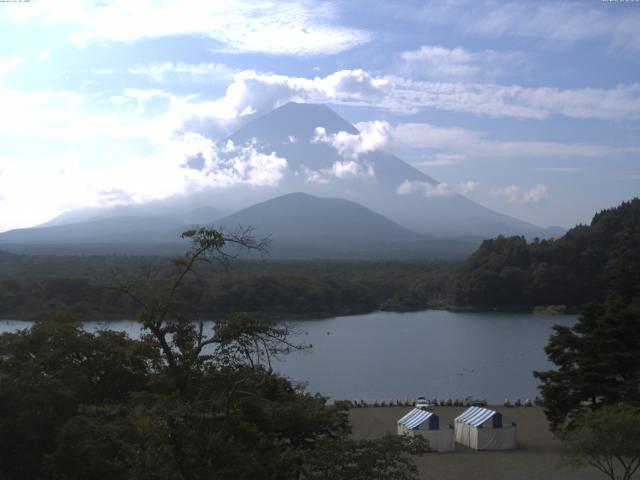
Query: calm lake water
{"x": 383, "y": 356}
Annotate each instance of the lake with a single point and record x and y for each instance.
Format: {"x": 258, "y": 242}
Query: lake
{"x": 435, "y": 353}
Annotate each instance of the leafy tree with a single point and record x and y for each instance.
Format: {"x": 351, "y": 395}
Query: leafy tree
{"x": 181, "y": 403}
{"x": 607, "y": 439}
{"x": 598, "y": 359}
{"x": 48, "y": 372}
{"x": 598, "y": 362}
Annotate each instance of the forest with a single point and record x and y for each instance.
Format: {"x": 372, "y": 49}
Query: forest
{"x": 33, "y": 286}
{"x": 572, "y": 270}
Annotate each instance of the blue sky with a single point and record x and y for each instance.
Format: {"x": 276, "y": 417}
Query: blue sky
{"x": 529, "y": 108}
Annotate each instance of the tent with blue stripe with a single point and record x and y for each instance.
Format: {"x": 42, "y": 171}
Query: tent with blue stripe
{"x": 427, "y": 424}
{"x": 485, "y": 429}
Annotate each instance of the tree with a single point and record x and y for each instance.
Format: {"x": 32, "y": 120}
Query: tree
{"x": 607, "y": 439}
{"x": 47, "y": 372}
{"x": 172, "y": 323}
{"x": 180, "y": 403}
{"x": 598, "y": 359}
{"x": 598, "y": 362}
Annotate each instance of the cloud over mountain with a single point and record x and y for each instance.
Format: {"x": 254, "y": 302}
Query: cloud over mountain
{"x": 517, "y": 194}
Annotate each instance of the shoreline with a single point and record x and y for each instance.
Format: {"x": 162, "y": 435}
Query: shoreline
{"x": 287, "y": 317}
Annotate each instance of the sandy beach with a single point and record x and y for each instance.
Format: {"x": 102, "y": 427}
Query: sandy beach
{"x": 537, "y": 455}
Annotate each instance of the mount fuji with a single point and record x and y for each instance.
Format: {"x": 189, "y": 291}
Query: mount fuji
{"x": 301, "y": 134}
{"x": 329, "y": 198}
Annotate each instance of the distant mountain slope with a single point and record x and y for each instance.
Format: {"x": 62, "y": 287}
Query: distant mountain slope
{"x": 98, "y": 230}
{"x": 179, "y": 211}
{"x": 572, "y": 270}
{"x": 299, "y": 215}
{"x": 299, "y": 225}
{"x": 118, "y": 231}
{"x": 289, "y": 132}
{"x": 304, "y": 226}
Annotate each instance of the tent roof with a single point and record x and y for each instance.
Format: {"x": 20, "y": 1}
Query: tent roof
{"x": 475, "y": 416}
{"x": 415, "y": 418}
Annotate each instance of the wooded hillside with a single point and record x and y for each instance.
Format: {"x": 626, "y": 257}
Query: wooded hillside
{"x": 572, "y": 270}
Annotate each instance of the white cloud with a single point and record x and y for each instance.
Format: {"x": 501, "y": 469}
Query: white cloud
{"x": 467, "y": 187}
{"x": 457, "y": 143}
{"x": 372, "y": 136}
{"x": 441, "y": 160}
{"x": 283, "y": 27}
{"x": 461, "y": 143}
{"x": 536, "y": 194}
{"x": 425, "y": 135}
{"x": 50, "y": 114}
{"x": 424, "y": 188}
{"x": 517, "y": 149}
{"x": 618, "y": 103}
{"x": 315, "y": 176}
{"x": 263, "y": 92}
{"x": 9, "y": 65}
{"x": 66, "y": 182}
{"x": 552, "y": 23}
{"x": 343, "y": 170}
{"x": 564, "y": 24}
{"x": 228, "y": 165}
{"x": 516, "y": 194}
{"x": 161, "y": 71}
{"x": 437, "y": 62}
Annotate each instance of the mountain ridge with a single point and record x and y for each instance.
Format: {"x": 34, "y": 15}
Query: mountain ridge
{"x": 314, "y": 168}
{"x": 299, "y": 225}
{"x": 452, "y": 214}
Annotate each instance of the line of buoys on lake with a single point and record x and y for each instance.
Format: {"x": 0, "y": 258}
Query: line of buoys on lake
{"x": 439, "y": 403}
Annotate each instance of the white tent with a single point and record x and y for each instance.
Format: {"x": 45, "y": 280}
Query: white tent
{"x": 427, "y": 424}
{"x": 484, "y": 429}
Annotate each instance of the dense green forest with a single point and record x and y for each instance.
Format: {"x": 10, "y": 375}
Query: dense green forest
{"x": 572, "y": 270}
{"x": 33, "y": 286}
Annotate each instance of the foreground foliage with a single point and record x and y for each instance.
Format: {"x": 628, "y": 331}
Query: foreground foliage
{"x": 598, "y": 359}
{"x": 180, "y": 403}
{"x": 607, "y": 439}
